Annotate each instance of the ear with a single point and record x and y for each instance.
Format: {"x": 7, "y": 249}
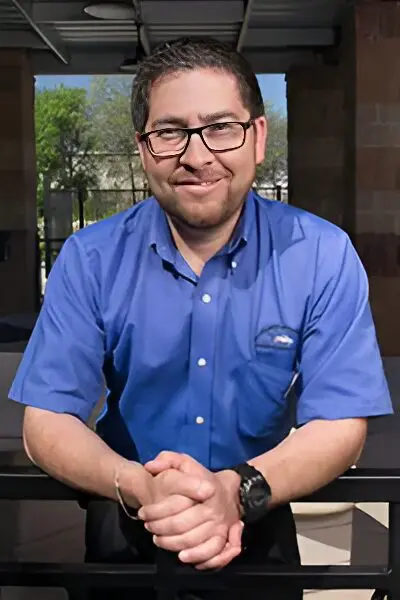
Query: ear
{"x": 260, "y": 132}
{"x": 141, "y": 149}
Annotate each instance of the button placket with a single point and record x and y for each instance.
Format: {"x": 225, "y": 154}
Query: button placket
{"x": 203, "y": 332}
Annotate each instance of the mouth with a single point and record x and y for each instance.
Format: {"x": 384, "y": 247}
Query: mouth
{"x": 198, "y": 187}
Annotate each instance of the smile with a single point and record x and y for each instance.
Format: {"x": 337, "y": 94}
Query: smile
{"x": 199, "y": 188}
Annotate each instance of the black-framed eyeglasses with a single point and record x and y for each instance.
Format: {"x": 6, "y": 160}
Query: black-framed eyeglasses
{"x": 217, "y": 137}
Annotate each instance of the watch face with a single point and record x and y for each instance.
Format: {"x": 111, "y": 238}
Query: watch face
{"x": 257, "y": 497}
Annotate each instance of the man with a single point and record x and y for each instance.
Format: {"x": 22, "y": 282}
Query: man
{"x": 202, "y": 307}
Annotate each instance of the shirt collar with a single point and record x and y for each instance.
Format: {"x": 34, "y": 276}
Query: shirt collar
{"x": 161, "y": 240}
{"x": 243, "y": 229}
{"x": 160, "y": 234}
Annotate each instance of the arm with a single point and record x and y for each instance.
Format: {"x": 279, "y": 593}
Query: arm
{"x": 341, "y": 383}
{"x": 68, "y": 450}
{"x": 311, "y": 457}
{"x": 60, "y": 380}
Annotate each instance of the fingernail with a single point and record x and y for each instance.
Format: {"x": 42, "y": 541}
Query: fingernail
{"x": 147, "y": 526}
{"x": 183, "y": 556}
{"x": 141, "y": 514}
{"x": 155, "y": 539}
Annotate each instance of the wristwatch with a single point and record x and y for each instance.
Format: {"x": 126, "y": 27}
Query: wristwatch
{"x": 254, "y": 493}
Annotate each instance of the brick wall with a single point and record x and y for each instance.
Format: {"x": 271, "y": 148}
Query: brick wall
{"x": 377, "y": 161}
{"x": 378, "y": 136}
{"x": 17, "y": 182}
{"x": 344, "y": 149}
{"x": 316, "y": 121}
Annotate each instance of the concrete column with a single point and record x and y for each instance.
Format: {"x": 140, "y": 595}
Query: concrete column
{"x": 18, "y": 272}
{"x": 377, "y": 161}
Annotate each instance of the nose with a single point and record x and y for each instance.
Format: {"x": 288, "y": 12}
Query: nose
{"x": 196, "y": 155}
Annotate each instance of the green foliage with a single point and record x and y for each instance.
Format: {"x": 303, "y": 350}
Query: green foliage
{"x": 112, "y": 123}
{"x": 274, "y": 168}
{"x": 87, "y": 140}
{"x": 64, "y": 139}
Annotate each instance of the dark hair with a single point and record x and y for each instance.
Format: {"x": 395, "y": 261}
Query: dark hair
{"x": 192, "y": 53}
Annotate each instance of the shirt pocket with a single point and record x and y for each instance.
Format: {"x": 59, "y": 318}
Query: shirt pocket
{"x": 262, "y": 385}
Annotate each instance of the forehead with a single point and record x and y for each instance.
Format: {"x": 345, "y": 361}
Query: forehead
{"x": 190, "y": 93}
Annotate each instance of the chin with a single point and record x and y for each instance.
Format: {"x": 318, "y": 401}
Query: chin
{"x": 202, "y": 221}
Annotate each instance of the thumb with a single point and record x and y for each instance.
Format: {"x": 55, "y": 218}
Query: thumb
{"x": 173, "y": 460}
{"x": 195, "y": 488}
{"x": 163, "y": 462}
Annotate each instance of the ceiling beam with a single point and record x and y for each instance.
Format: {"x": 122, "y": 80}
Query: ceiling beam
{"x": 20, "y": 39}
{"x": 278, "y": 61}
{"x": 283, "y": 37}
{"x": 152, "y": 11}
{"x": 48, "y": 35}
{"x": 245, "y": 25}
{"x": 142, "y": 32}
{"x": 108, "y": 62}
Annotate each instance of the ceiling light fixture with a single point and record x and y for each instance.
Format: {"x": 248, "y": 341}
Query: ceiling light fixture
{"x": 111, "y": 11}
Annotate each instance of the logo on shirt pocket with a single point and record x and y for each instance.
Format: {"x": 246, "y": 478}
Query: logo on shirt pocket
{"x": 277, "y": 336}
{"x": 264, "y": 382}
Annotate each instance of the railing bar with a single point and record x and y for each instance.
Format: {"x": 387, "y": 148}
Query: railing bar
{"x": 394, "y": 550}
{"x": 88, "y": 576}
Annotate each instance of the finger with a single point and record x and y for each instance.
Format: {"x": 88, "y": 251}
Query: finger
{"x": 177, "y": 484}
{"x": 231, "y": 550}
{"x": 170, "y": 506}
{"x": 204, "y": 552}
{"x": 182, "y": 522}
{"x": 191, "y": 539}
{"x": 220, "y": 560}
{"x": 235, "y": 534}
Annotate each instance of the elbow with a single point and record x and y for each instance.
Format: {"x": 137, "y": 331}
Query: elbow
{"x": 26, "y": 441}
{"x": 34, "y": 432}
{"x": 358, "y": 437}
{"x": 27, "y": 449}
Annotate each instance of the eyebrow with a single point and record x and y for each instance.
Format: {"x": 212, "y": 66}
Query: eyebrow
{"x": 206, "y": 119}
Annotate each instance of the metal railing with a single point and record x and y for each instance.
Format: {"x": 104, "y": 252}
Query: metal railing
{"x": 167, "y": 577}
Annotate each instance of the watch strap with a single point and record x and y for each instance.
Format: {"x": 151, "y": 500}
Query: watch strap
{"x": 254, "y": 492}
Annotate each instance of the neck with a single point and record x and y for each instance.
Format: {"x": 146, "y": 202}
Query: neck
{"x": 197, "y": 246}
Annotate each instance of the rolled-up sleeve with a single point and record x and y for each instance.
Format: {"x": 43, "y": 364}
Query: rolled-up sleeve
{"x": 61, "y": 369}
{"x": 340, "y": 366}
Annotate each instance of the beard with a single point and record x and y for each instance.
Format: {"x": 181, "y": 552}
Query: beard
{"x": 198, "y": 211}
{"x": 200, "y": 215}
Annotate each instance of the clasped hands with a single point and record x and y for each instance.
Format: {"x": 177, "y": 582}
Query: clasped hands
{"x": 192, "y": 511}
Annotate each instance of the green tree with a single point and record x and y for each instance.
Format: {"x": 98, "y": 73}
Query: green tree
{"x": 274, "y": 168}
{"x": 65, "y": 141}
{"x": 111, "y": 110}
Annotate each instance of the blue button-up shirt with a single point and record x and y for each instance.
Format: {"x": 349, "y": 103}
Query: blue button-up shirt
{"x": 204, "y": 365}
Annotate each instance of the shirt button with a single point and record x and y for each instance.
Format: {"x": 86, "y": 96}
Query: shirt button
{"x": 199, "y": 420}
{"x": 202, "y": 362}
{"x": 234, "y": 264}
{"x": 206, "y": 298}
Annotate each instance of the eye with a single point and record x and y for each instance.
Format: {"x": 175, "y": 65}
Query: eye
{"x": 170, "y": 134}
{"x": 217, "y": 127}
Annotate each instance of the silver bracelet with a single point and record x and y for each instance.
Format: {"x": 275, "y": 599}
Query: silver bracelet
{"x": 122, "y": 502}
